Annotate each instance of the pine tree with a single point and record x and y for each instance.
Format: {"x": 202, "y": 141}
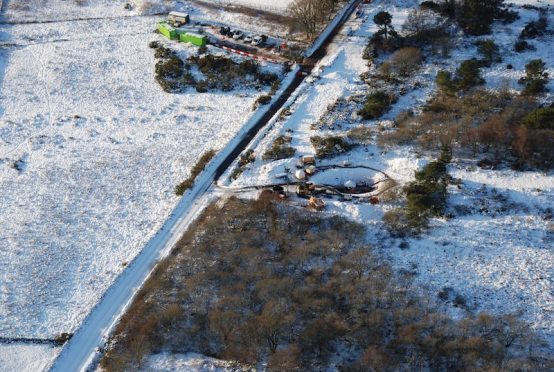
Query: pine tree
{"x": 383, "y": 20}
{"x": 476, "y": 16}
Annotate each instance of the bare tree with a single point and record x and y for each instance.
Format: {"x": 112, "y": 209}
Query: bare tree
{"x": 307, "y": 13}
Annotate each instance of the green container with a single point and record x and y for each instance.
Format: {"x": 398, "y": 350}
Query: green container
{"x": 195, "y": 39}
{"x": 167, "y": 31}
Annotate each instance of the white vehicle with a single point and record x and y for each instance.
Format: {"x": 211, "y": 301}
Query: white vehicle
{"x": 248, "y": 39}
{"x": 257, "y": 40}
{"x": 238, "y": 34}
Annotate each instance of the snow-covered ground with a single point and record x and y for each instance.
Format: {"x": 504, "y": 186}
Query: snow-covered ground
{"x": 498, "y": 250}
{"x": 187, "y": 362}
{"x": 26, "y": 357}
{"x": 99, "y": 149}
{"x": 270, "y": 5}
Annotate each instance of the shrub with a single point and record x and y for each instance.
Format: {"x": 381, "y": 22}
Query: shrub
{"x": 406, "y": 60}
{"x": 397, "y": 223}
{"x": 202, "y": 86}
{"x": 195, "y": 171}
{"x": 262, "y": 100}
{"x": 330, "y": 146}
{"x": 168, "y": 72}
{"x": 268, "y": 78}
{"x": 534, "y": 29}
{"x": 445, "y": 83}
{"x": 361, "y": 134}
{"x": 376, "y": 104}
{"x": 244, "y": 159}
{"x": 256, "y": 282}
{"x": 62, "y": 338}
{"x": 476, "y": 16}
{"x": 424, "y": 25}
{"x": 468, "y": 75}
{"x": 427, "y": 195}
{"x": 522, "y": 45}
{"x": 489, "y": 50}
{"x": 536, "y": 77}
{"x": 280, "y": 149}
{"x": 541, "y": 118}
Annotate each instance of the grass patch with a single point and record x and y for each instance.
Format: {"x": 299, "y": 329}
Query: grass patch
{"x": 181, "y": 188}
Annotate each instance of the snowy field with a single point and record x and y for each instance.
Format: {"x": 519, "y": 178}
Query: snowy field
{"x": 26, "y": 357}
{"x": 91, "y": 149}
{"x": 270, "y": 5}
{"x": 499, "y": 254}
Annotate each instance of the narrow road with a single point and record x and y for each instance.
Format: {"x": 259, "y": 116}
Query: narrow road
{"x": 80, "y": 352}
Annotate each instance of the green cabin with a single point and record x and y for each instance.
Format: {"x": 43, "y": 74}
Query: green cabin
{"x": 195, "y": 39}
{"x": 168, "y": 31}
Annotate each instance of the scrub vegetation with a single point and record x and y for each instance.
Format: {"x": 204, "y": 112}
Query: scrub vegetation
{"x": 280, "y": 149}
{"x": 207, "y": 72}
{"x": 257, "y": 282}
{"x": 495, "y": 125}
{"x": 195, "y": 171}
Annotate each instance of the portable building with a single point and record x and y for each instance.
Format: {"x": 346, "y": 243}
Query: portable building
{"x": 195, "y": 39}
{"x": 300, "y": 174}
{"x": 308, "y": 159}
{"x": 178, "y": 19}
{"x": 167, "y": 31}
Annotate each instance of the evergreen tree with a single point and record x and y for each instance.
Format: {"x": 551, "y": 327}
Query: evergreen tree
{"x": 489, "y": 50}
{"x": 384, "y": 21}
{"x": 476, "y": 16}
{"x": 535, "y": 78}
{"x": 468, "y": 75}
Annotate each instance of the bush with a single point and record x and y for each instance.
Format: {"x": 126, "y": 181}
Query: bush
{"x": 476, "y": 16}
{"x": 427, "y": 195}
{"x": 195, "y": 171}
{"x": 424, "y": 25}
{"x": 489, "y": 50}
{"x": 361, "y": 134}
{"x": 522, "y": 45}
{"x": 398, "y": 224}
{"x": 376, "y": 104}
{"x": 330, "y": 146}
{"x": 202, "y": 86}
{"x": 280, "y": 149}
{"x": 256, "y": 282}
{"x": 541, "y": 118}
{"x": 167, "y": 73}
{"x": 244, "y": 159}
{"x": 536, "y": 77}
{"x": 262, "y": 100}
{"x": 444, "y": 82}
{"x": 534, "y": 28}
{"x": 468, "y": 75}
{"x": 406, "y": 60}
{"x": 267, "y": 78}
{"x": 62, "y": 338}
